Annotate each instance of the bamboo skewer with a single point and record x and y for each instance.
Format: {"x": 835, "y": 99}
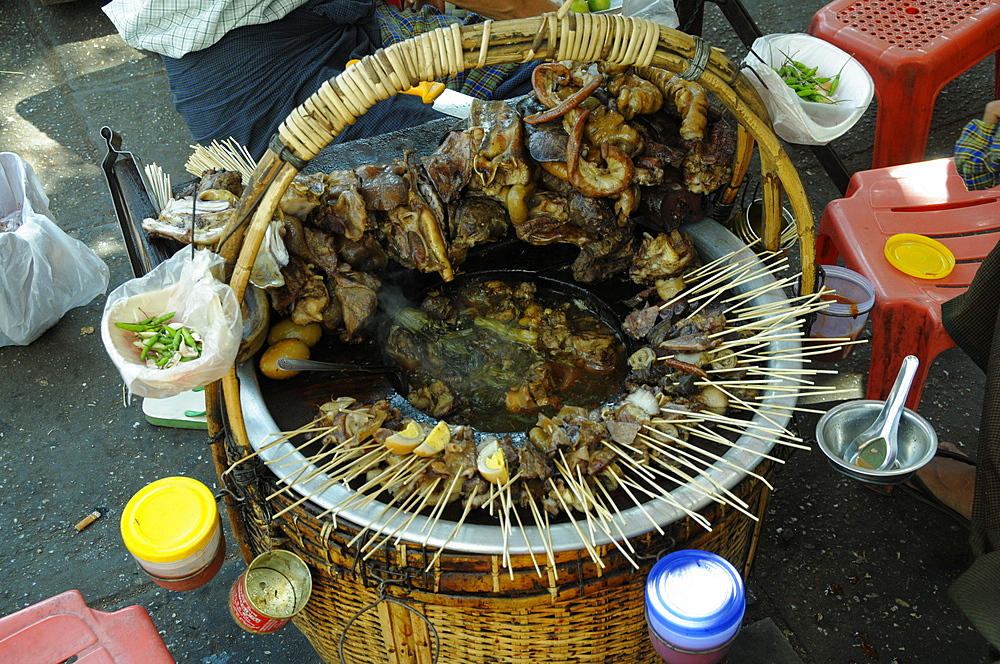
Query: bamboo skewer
{"x": 458, "y": 526}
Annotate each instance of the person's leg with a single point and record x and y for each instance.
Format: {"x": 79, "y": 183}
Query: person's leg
{"x": 248, "y": 83}
{"x": 951, "y": 481}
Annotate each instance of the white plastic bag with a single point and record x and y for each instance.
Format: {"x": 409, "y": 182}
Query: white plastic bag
{"x": 658, "y": 11}
{"x": 188, "y": 287}
{"x": 804, "y": 122}
{"x": 43, "y": 271}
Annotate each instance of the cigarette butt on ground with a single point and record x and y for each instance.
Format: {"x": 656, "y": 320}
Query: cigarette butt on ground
{"x": 87, "y": 520}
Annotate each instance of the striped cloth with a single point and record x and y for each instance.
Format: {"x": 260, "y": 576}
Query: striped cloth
{"x": 247, "y": 83}
{"x": 977, "y": 154}
{"x": 397, "y": 26}
{"x": 972, "y": 319}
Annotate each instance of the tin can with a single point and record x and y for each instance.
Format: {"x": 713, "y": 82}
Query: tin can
{"x": 172, "y": 528}
{"x": 749, "y": 227}
{"x": 273, "y": 588}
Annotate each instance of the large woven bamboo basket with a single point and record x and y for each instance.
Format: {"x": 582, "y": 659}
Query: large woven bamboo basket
{"x": 467, "y": 607}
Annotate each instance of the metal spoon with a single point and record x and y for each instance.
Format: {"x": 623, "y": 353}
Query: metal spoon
{"x": 876, "y": 447}
{"x": 291, "y": 364}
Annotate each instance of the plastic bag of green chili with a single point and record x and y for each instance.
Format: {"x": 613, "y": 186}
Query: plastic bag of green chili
{"x": 784, "y": 69}
{"x": 174, "y": 329}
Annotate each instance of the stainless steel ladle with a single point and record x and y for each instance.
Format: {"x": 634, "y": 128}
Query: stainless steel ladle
{"x": 876, "y": 447}
{"x": 292, "y": 364}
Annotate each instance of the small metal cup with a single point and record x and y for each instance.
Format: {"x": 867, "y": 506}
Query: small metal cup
{"x": 842, "y": 424}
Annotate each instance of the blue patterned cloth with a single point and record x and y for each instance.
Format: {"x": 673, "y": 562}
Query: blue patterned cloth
{"x": 977, "y": 154}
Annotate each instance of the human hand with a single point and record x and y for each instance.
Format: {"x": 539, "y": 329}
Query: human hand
{"x": 992, "y": 112}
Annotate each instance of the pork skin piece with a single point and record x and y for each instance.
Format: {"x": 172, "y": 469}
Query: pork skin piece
{"x": 383, "y": 186}
{"x": 502, "y": 158}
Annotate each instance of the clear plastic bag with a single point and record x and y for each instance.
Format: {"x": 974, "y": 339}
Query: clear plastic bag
{"x": 43, "y": 271}
{"x": 187, "y": 286}
{"x": 658, "y": 11}
{"x": 794, "y": 119}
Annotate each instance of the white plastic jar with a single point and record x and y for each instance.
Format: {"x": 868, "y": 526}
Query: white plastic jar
{"x": 695, "y": 602}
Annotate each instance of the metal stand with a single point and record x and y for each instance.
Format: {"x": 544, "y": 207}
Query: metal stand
{"x": 691, "y": 14}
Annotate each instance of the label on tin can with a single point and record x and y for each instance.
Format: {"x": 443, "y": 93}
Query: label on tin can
{"x": 248, "y": 617}
{"x": 274, "y": 587}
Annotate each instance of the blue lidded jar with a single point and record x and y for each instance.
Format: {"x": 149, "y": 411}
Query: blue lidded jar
{"x": 694, "y": 606}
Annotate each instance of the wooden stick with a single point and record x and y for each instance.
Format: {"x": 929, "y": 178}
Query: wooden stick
{"x": 590, "y": 549}
{"x": 451, "y": 535}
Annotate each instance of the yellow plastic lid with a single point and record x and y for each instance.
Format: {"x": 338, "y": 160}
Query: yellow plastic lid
{"x": 169, "y": 520}
{"x": 919, "y": 256}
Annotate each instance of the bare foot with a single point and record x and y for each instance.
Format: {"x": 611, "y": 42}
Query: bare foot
{"x": 951, "y": 481}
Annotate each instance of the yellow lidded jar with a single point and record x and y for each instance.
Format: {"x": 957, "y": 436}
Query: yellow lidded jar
{"x": 172, "y": 528}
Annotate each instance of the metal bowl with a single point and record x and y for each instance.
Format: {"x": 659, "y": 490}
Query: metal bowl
{"x": 842, "y": 423}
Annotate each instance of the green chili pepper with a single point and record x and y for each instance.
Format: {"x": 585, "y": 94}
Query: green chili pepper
{"x": 146, "y": 347}
{"x": 133, "y": 327}
{"x": 189, "y": 340}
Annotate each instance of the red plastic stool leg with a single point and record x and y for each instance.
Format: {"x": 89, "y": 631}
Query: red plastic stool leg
{"x": 903, "y": 121}
{"x": 898, "y": 330}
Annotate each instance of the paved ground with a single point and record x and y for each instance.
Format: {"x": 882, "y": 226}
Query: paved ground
{"x": 841, "y": 575}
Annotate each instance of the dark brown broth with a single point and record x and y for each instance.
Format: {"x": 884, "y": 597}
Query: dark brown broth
{"x": 481, "y": 364}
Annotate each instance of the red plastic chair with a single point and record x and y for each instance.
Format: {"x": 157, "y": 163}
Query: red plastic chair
{"x": 927, "y": 198}
{"x": 61, "y": 627}
{"x": 911, "y": 49}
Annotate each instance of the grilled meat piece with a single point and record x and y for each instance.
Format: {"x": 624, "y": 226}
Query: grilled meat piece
{"x": 662, "y": 256}
{"x": 303, "y": 297}
{"x": 383, "y": 186}
{"x": 364, "y": 254}
{"x": 501, "y": 158}
{"x": 449, "y": 168}
{"x": 357, "y": 292}
{"x": 474, "y": 220}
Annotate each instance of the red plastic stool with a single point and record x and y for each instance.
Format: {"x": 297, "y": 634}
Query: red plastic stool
{"x": 927, "y": 198}
{"x": 911, "y": 49}
{"x": 61, "y": 627}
